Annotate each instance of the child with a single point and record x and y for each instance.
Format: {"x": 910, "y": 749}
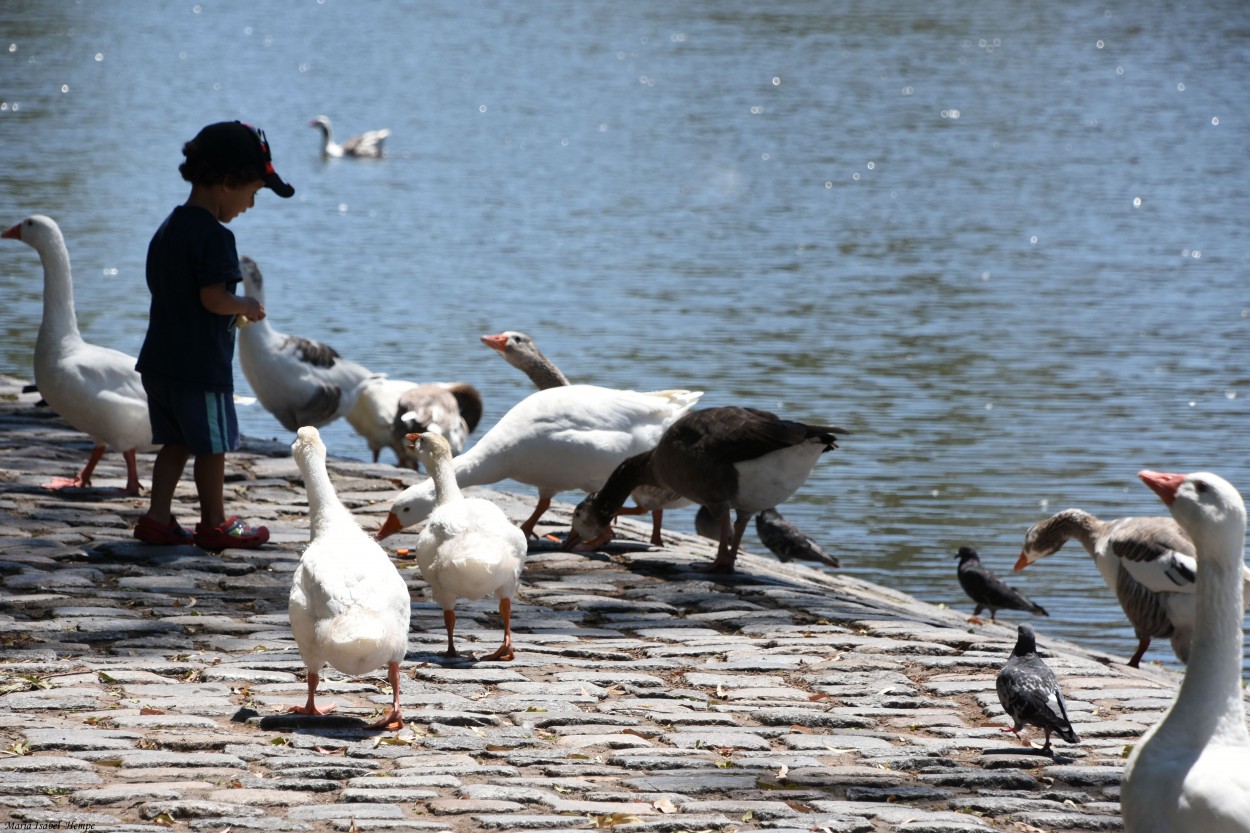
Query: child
{"x": 187, "y": 357}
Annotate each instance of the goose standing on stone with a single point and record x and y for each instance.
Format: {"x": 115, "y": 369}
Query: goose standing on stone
{"x": 554, "y": 440}
{"x": 468, "y": 548}
{"x": 449, "y": 409}
{"x": 1029, "y": 692}
{"x": 299, "y": 381}
{"x": 986, "y": 589}
{"x": 373, "y": 416}
{"x": 1148, "y": 562}
{"x": 95, "y": 389}
{"x": 720, "y": 458}
{"x": 367, "y": 145}
{"x": 520, "y": 351}
{"x": 389, "y": 409}
{"x": 1190, "y": 773}
{"x": 349, "y": 607}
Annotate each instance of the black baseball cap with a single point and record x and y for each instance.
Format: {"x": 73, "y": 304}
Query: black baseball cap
{"x": 235, "y": 142}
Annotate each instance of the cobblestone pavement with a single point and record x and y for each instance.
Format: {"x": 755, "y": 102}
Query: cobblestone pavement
{"x": 145, "y": 688}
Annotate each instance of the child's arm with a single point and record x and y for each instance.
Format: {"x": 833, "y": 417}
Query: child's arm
{"x": 216, "y": 298}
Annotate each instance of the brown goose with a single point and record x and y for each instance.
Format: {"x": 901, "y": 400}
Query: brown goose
{"x": 720, "y": 458}
{"x": 450, "y": 409}
{"x": 1148, "y": 562}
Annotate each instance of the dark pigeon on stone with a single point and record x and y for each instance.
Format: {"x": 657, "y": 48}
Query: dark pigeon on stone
{"x": 1030, "y": 694}
{"x": 985, "y": 588}
{"x": 787, "y": 541}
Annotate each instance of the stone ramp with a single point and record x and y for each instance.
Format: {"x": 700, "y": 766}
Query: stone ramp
{"x": 145, "y": 688}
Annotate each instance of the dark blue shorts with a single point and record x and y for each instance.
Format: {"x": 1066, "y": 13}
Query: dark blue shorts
{"x": 202, "y": 421}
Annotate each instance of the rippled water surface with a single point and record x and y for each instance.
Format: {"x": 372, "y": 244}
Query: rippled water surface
{"x": 1004, "y": 244}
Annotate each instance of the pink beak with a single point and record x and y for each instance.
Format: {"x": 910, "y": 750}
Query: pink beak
{"x": 1162, "y": 484}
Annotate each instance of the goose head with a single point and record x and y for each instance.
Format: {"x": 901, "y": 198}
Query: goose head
{"x": 253, "y": 281}
{"x": 429, "y": 448}
{"x": 1208, "y": 508}
{"x": 308, "y": 445}
{"x": 589, "y": 526}
{"x": 1043, "y": 538}
{"x": 36, "y": 231}
{"x": 323, "y": 124}
{"x": 520, "y": 351}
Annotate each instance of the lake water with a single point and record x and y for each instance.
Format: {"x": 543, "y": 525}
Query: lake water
{"x": 1005, "y": 244}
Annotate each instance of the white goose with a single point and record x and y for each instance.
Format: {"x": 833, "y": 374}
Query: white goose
{"x": 520, "y": 351}
{"x": 299, "y": 381}
{"x": 95, "y": 389}
{"x": 349, "y": 608}
{"x": 554, "y": 440}
{"x": 1190, "y": 773}
{"x": 722, "y": 458}
{"x": 468, "y": 548}
{"x": 367, "y": 145}
{"x": 1148, "y": 562}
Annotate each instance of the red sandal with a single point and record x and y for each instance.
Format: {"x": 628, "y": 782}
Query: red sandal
{"x": 170, "y": 535}
{"x": 233, "y": 534}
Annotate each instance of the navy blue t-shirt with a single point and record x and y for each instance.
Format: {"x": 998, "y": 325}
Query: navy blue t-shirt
{"x": 187, "y": 345}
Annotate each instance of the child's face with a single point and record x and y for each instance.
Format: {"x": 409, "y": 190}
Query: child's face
{"x": 237, "y": 200}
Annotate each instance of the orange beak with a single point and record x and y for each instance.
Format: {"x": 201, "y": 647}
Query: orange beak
{"x": 389, "y": 527}
{"x": 498, "y": 342}
{"x": 14, "y": 233}
{"x": 1021, "y": 562}
{"x": 1162, "y": 484}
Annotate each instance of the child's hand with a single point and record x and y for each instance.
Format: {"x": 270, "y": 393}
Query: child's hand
{"x": 255, "y": 309}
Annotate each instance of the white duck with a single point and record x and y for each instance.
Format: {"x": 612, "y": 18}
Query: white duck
{"x": 1190, "y": 773}
{"x": 1148, "y": 562}
{"x": 723, "y": 458}
{"x": 367, "y": 145}
{"x": 349, "y": 608}
{"x": 554, "y": 440}
{"x": 95, "y": 389}
{"x": 520, "y": 351}
{"x": 468, "y": 548}
{"x": 299, "y": 381}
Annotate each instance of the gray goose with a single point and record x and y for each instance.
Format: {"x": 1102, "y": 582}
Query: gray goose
{"x": 722, "y": 458}
{"x": 1148, "y": 562}
{"x": 298, "y": 380}
{"x": 367, "y": 145}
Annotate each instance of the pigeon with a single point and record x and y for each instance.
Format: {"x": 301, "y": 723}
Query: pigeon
{"x": 988, "y": 590}
{"x": 1029, "y": 692}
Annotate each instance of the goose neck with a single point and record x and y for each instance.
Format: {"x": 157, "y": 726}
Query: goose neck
{"x": 59, "y": 318}
{"x": 1210, "y": 698}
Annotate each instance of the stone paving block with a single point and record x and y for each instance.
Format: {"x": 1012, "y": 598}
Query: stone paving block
{"x": 132, "y": 793}
{"x": 354, "y": 810}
